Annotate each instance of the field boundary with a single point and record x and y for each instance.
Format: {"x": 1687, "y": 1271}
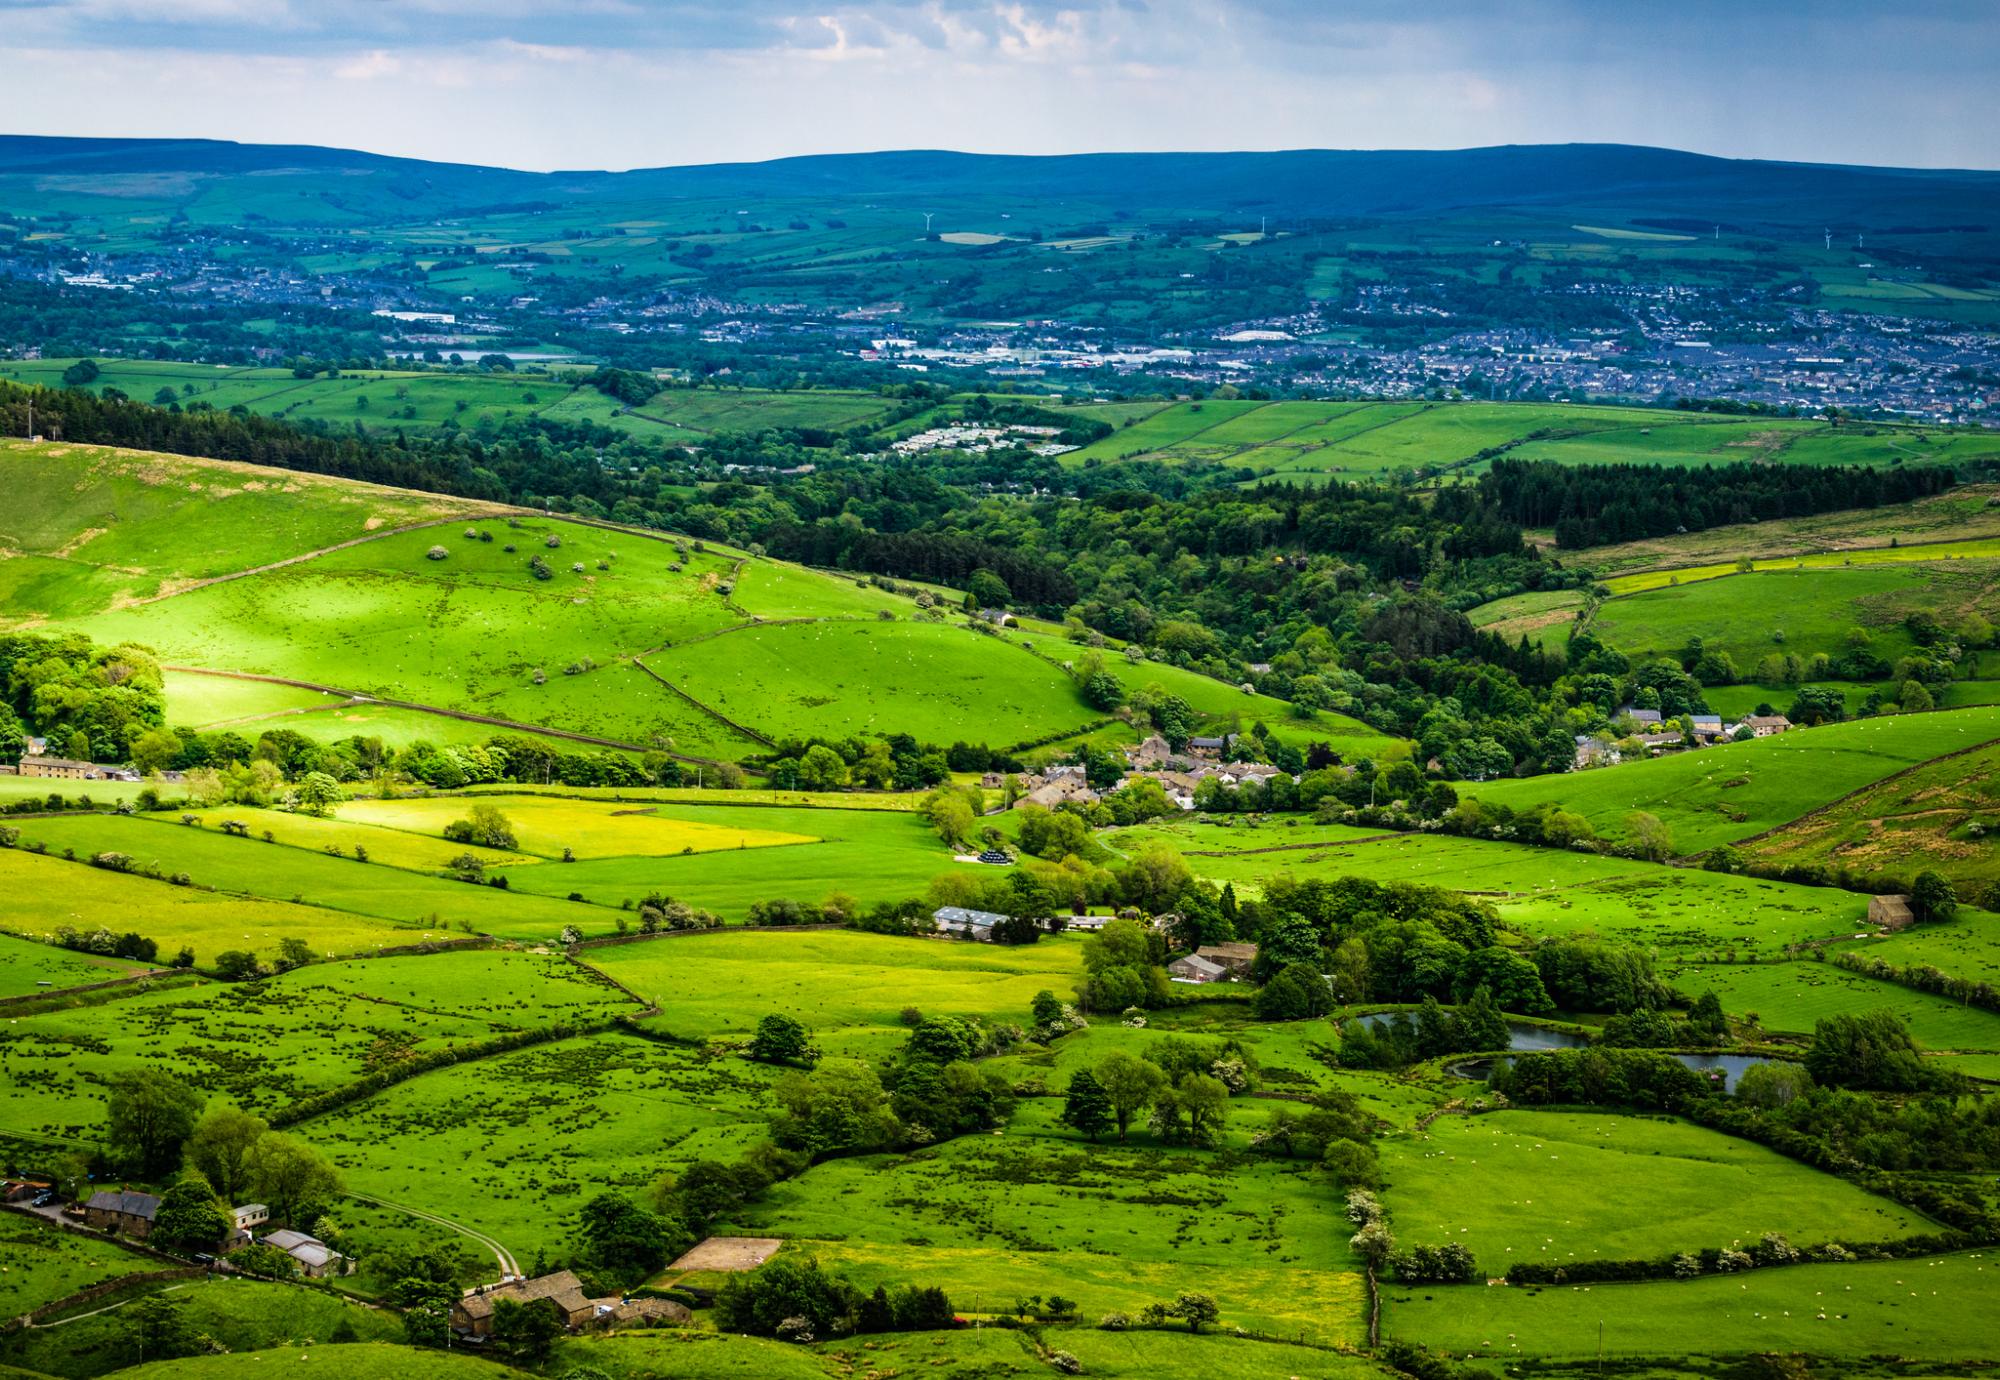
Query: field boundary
{"x": 715, "y": 714}
{"x": 27, "y": 1001}
{"x": 1863, "y": 790}
{"x": 308, "y": 555}
{"x": 462, "y": 715}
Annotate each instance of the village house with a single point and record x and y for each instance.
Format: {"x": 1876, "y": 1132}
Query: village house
{"x": 241, "y": 1219}
{"x": 1195, "y": 968}
{"x": 316, "y": 1259}
{"x": 1238, "y": 958}
{"x": 472, "y": 1315}
{"x": 58, "y": 768}
{"x": 1659, "y": 742}
{"x": 1637, "y": 715}
{"x": 1764, "y": 725}
{"x": 974, "y": 924}
{"x": 1707, "y": 726}
{"x": 1154, "y": 751}
{"x": 116, "y": 1210}
{"x": 1213, "y": 748}
{"x": 1594, "y": 752}
{"x": 1064, "y": 790}
{"x": 1891, "y": 912}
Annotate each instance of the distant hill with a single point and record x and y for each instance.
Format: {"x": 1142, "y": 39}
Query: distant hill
{"x": 1641, "y": 182}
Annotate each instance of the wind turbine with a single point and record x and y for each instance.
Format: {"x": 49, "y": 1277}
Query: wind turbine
{"x": 927, "y": 222}
{"x": 1829, "y": 239}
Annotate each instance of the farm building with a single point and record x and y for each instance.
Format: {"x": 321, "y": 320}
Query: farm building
{"x": 1237, "y": 958}
{"x": 58, "y": 768}
{"x": 316, "y": 1259}
{"x": 1195, "y": 968}
{"x": 242, "y": 1218}
{"x": 473, "y": 1314}
{"x": 1764, "y": 725}
{"x": 116, "y": 1210}
{"x": 1213, "y": 748}
{"x": 1890, "y": 912}
{"x": 1637, "y": 715}
{"x": 1153, "y": 752}
{"x": 975, "y": 924}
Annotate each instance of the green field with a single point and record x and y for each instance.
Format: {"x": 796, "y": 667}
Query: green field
{"x": 1732, "y": 791}
{"x": 1257, "y": 1240}
{"x": 1936, "y": 1310}
{"x": 1940, "y": 812}
{"x": 27, "y": 967}
{"x": 45, "y": 1263}
{"x": 1317, "y": 440}
{"x": 547, "y": 828}
{"x": 1549, "y": 1187}
{"x": 350, "y": 1361}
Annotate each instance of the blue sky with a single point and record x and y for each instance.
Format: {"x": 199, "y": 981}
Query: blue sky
{"x": 630, "y": 83}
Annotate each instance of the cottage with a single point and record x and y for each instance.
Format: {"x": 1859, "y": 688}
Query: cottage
{"x": 1764, "y": 725}
{"x": 1638, "y": 716}
{"x": 1656, "y": 742}
{"x": 242, "y": 1218}
{"x": 999, "y": 618}
{"x": 473, "y": 1314}
{"x": 315, "y": 1258}
{"x": 1594, "y": 752}
{"x": 58, "y": 768}
{"x": 974, "y": 924}
{"x": 1237, "y": 958}
{"x": 1063, "y": 791}
{"x": 1195, "y": 968}
{"x": 1213, "y": 748}
{"x": 1891, "y": 912}
{"x": 116, "y": 1210}
{"x": 1154, "y": 751}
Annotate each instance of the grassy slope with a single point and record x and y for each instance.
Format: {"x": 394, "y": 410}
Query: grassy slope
{"x": 1555, "y": 1186}
{"x": 1730, "y": 792}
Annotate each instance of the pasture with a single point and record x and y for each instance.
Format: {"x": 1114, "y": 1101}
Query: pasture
{"x": 1938, "y": 1310}
{"x": 513, "y": 1146}
{"x": 1550, "y": 1187}
{"x": 934, "y": 681}
{"x": 1800, "y": 612}
{"x": 27, "y": 967}
{"x": 848, "y": 987}
{"x": 1941, "y": 813}
{"x": 375, "y": 905}
{"x": 90, "y": 527}
{"x": 1789, "y": 998}
{"x": 267, "y": 1045}
{"x": 588, "y": 829}
{"x": 1735, "y": 790}
{"x": 1253, "y": 1232}
{"x": 350, "y": 1360}
{"x": 45, "y": 1263}
{"x": 871, "y": 855}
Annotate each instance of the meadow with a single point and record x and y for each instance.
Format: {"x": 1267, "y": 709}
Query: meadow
{"x": 1940, "y": 812}
{"x": 89, "y": 528}
{"x": 1254, "y": 1233}
{"x": 266, "y": 1046}
{"x": 1541, "y": 891}
{"x": 376, "y": 905}
{"x": 849, "y": 988}
{"x": 44, "y": 1264}
{"x": 1935, "y": 1310}
{"x": 1549, "y": 1187}
{"x": 240, "y": 1315}
{"x": 514, "y": 1146}
{"x": 27, "y": 967}
{"x": 550, "y": 828}
{"x": 1735, "y": 790}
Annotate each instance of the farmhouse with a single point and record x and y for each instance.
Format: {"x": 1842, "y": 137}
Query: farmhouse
{"x": 975, "y": 924}
{"x": 1636, "y": 715}
{"x": 473, "y": 1314}
{"x": 1195, "y": 968}
{"x": 242, "y": 1218}
{"x": 1237, "y": 958}
{"x": 1890, "y": 912}
{"x": 58, "y": 768}
{"x": 1153, "y": 752}
{"x": 1764, "y": 725}
{"x": 1212, "y": 748}
{"x": 116, "y": 1210}
{"x": 315, "y": 1258}
{"x": 1061, "y": 791}
{"x": 1594, "y": 752}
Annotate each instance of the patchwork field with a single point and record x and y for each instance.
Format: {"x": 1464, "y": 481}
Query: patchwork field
{"x": 1730, "y": 792}
{"x": 1262, "y": 1241}
{"x": 547, "y": 828}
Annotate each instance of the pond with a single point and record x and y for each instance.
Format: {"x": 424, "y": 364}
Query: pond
{"x": 1728, "y": 1068}
{"x": 1520, "y": 1035}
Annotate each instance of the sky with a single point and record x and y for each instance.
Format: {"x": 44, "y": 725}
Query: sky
{"x": 644, "y": 83}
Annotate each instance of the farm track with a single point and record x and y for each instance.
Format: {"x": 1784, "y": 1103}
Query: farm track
{"x": 463, "y": 716}
{"x": 501, "y": 1255}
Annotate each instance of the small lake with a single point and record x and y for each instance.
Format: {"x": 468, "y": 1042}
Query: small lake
{"x": 1520, "y": 1035}
{"x": 1728, "y": 1068}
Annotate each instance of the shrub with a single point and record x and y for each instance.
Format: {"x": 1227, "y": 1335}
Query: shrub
{"x": 436, "y": 553}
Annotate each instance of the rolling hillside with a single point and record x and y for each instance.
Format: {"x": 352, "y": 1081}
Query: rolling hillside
{"x": 278, "y": 599}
